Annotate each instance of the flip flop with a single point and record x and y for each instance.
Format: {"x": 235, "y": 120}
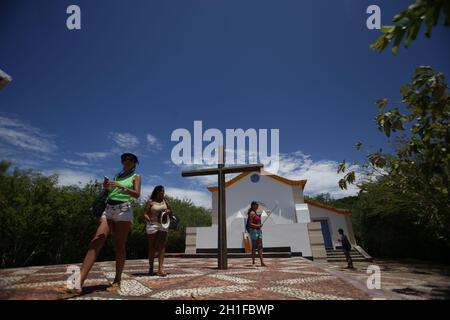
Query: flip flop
{"x": 162, "y": 274}
{"x": 69, "y": 293}
{"x": 114, "y": 287}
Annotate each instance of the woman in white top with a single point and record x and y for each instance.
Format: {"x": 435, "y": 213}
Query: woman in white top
{"x": 157, "y": 234}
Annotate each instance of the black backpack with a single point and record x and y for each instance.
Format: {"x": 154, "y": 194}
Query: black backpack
{"x": 99, "y": 205}
{"x": 247, "y": 223}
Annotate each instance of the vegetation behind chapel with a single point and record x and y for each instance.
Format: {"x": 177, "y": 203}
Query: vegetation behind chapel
{"x": 43, "y": 223}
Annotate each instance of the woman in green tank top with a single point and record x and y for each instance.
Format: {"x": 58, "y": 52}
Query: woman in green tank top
{"x": 117, "y": 217}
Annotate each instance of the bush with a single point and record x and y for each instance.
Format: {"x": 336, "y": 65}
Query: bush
{"x": 43, "y": 223}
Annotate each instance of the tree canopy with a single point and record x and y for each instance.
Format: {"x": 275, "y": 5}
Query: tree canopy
{"x": 408, "y": 22}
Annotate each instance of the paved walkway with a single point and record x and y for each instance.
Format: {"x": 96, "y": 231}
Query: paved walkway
{"x": 196, "y": 279}
{"x": 289, "y": 278}
{"x": 411, "y": 280}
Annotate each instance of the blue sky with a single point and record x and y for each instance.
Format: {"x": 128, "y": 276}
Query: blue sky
{"x": 137, "y": 70}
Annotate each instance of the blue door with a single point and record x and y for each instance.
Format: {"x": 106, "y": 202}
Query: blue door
{"x": 326, "y": 234}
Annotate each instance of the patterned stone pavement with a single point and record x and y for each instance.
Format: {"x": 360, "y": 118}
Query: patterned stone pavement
{"x": 191, "y": 279}
{"x": 411, "y": 280}
{"x": 196, "y": 279}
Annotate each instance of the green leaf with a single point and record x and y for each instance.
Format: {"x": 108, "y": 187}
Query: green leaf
{"x": 342, "y": 184}
{"x": 412, "y": 32}
{"x": 399, "y": 33}
{"x": 446, "y": 9}
{"x": 382, "y": 103}
{"x": 341, "y": 167}
{"x": 398, "y": 125}
{"x": 431, "y": 20}
{"x": 350, "y": 177}
{"x": 387, "y": 128}
{"x": 387, "y": 29}
{"x": 380, "y": 44}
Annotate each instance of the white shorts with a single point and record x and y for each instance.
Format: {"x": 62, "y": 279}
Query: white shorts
{"x": 119, "y": 212}
{"x": 154, "y": 227}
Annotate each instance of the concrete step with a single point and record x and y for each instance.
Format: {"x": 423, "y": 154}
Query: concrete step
{"x": 343, "y": 257}
{"x": 342, "y": 254}
{"x": 339, "y": 256}
{"x": 345, "y": 260}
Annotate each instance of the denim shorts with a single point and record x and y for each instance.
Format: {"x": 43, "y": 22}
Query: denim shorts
{"x": 119, "y": 212}
{"x": 255, "y": 234}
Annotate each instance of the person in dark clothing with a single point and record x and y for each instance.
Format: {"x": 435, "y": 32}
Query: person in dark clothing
{"x": 346, "y": 247}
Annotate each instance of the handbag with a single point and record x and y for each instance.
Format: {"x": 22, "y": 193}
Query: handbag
{"x": 99, "y": 205}
{"x": 174, "y": 222}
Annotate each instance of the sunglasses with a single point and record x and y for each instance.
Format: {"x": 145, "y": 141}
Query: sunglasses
{"x": 128, "y": 159}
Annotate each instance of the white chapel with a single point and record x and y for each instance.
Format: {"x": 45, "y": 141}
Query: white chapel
{"x": 289, "y": 220}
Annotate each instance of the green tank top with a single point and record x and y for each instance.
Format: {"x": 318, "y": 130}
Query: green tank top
{"x": 118, "y": 194}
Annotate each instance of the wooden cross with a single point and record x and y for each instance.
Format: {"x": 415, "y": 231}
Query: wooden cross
{"x": 221, "y": 171}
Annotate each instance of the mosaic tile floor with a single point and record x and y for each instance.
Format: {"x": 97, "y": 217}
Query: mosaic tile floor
{"x": 286, "y": 278}
{"x": 411, "y": 280}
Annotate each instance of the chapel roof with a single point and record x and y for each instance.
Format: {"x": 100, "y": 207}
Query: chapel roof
{"x": 300, "y": 183}
{"x": 326, "y": 207}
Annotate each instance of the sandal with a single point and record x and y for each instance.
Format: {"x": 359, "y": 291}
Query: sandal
{"x": 114, "y": 287}
{"x": 162, "y": 274}
{"x": 69, "y": 293}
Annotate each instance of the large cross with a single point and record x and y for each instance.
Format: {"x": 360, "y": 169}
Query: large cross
{"x": 221, "y": 171}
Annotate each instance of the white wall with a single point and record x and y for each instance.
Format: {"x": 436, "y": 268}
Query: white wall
{"x": 302, "y": 212}
{"x": 281, "y": 235}
{"x": 335, "y": 221}
{"x": 268, "y": 191}
{"x": 280, "y": 230}
{"x": 288, "y": 235}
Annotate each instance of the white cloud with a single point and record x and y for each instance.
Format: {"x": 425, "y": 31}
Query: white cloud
{"x": 199, "y": 198}
{"x": 322, "y": 175}
{"x": 124, "y": 140}
{"x": 152, "y": 179}
{"x": 68, "y": 177}
{"x": 153, "y": 144}
{"x": 20, "y": 158}
{"x": 75, "y": 162}
{"x": 197, "y": 182}
{"x": 212, "y": 180}
{"x": 25, "y": 137}
{"x": 146, "y": 191}
{"x": 94, "y": 155}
